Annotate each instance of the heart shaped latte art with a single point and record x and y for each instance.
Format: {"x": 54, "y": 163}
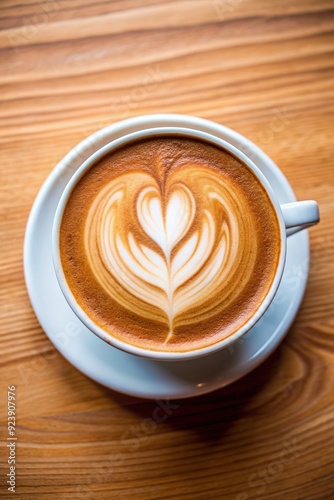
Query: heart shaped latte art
{"x": 173, "y": 252}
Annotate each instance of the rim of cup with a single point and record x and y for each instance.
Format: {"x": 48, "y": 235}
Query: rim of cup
{"x": 80, "y": 313}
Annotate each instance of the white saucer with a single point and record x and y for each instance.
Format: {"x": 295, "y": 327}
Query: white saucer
{"x": 124, "y": 372}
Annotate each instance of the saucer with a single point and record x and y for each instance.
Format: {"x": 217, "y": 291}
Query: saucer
{"x": 124, "y": 372}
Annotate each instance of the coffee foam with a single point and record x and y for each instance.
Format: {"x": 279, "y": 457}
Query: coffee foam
{"x": 172, "y": 249}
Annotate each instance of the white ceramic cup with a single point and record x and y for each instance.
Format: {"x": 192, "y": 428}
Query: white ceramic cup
{"x": 292, "y": 217}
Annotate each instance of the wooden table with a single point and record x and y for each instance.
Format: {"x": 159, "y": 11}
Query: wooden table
{"x": 67, "y": 69}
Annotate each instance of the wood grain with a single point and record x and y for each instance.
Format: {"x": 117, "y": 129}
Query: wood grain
{"x": 263, "y": 68}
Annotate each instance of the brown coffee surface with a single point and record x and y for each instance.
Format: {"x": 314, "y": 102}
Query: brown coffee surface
{"x": 169, "y": 243}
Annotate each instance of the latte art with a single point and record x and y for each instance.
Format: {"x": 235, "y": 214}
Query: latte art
{"x": 170, "y": 256}
{"x": 187, "y": 246}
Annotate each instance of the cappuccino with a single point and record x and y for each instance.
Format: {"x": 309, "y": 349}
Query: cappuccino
{"x": 169, "y": 243}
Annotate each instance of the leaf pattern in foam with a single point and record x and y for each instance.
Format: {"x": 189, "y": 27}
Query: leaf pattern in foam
{"x": 152, "y": 274}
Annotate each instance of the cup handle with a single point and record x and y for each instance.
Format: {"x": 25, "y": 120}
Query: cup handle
{"x": 300, "y": 215}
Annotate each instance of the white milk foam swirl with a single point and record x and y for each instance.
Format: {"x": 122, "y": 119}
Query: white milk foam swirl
{"x": 179, "y": 262}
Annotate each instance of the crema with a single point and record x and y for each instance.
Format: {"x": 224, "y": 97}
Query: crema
{"x": 169, "y": 243}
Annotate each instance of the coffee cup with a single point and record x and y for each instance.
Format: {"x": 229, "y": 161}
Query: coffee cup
{"x": 169, "y": 242}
